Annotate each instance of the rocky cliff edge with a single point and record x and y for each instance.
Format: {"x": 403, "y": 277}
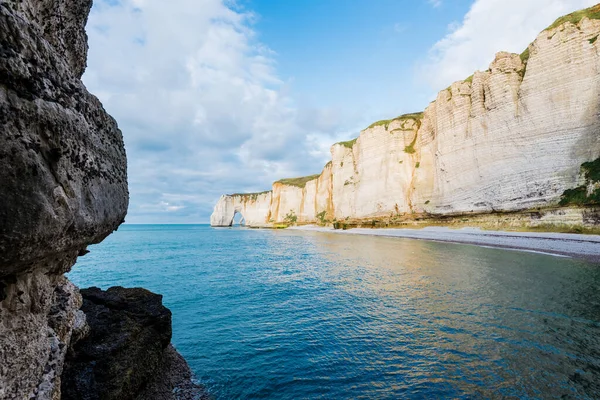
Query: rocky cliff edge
{"x": 63, "y": 186}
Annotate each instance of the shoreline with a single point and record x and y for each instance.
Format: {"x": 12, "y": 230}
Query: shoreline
{"x": 573, "y": 245}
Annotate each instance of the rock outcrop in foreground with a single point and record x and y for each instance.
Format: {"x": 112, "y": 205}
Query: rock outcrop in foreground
{"x": 126, "y": 350}
{"x": 507, "y": 139}
{"x": 63, "y": 186}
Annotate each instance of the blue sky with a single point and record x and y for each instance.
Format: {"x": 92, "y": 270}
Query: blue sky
{"x": 217, "y": 96}
{"x": 360, "y": 54}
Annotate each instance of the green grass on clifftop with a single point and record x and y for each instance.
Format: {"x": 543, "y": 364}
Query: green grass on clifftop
{"x": 525, "y": 59}
{"x": 250, "y": 196}
{"x": 349, "y": 144}
{"x": 386, "y": 122}
{"x": 298, "y": 182}
{"x": 525, "y": 55}
{"x": 576, "y": 17}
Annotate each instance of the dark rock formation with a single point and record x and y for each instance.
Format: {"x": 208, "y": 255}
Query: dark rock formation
{"x": 127, "y": 351}
{"x": 174, "y": 381}
{"x": 63, "y": 170}
{"x": 63, "y": 185}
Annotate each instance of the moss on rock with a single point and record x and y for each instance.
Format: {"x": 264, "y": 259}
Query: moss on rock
{"x": 249, "y": 196}
{"x": 580, "y": 196}
{"x": 298, "y": 182}
{"x": 349, "y": 144}
{"x": 386, "y": 122}
{"x": 576, "y": 17}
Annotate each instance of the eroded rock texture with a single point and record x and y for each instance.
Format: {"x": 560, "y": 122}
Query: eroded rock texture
{"x": 62, "y": 160}
{"x": 63, "y": 185}
{"x": 126, "y": 350}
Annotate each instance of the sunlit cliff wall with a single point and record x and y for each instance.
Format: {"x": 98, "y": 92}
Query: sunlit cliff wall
{"x": 511, "y": 138}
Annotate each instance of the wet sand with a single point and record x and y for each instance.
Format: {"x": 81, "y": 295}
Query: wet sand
{"x": 557, "y": 244}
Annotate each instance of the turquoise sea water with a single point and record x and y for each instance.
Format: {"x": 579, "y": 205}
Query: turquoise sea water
{"x": 264, "y": 314}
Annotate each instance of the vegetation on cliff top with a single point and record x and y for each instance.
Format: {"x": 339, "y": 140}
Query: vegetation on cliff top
{"x": 525, "y": 55}
{"x": 298, "y": 182}
{"x": 349, "y": 144}
{"x": 524, "y": 59}
{"x": 386, "y": 122}
{"x": 417, "y": 117}
{"x": 576, "y": 17}
{"x": 466, "y": 80}
{"x": 250, "y": 196}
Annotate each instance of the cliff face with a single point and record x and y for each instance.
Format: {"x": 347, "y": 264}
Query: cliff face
{"x": 126, "y": 350}
{"x": 504, "y": 142}
{"x": 510, "y": 138}
{"x": 381, "y": 162}
{"x": 63, "y": 180}
{"x": 64, "y": 186}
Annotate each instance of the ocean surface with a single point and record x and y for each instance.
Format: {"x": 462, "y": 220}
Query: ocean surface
{"x": 278, "y": 314}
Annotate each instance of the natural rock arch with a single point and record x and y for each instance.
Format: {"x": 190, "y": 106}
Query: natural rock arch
{"x": 238, "y": 211}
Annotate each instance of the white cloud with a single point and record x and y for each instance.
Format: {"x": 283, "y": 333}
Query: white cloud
{"x": 201, "y": 106}
{"x": 204, "y": 111}
{"x": 162, "y": 206}
{"x": 435, "y": 3}
{"x": 491, "y": 26}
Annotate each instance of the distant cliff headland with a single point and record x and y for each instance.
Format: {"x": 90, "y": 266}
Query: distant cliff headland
{"x": 515, "y": 146}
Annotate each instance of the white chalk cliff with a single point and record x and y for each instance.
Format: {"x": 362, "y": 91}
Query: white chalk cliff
{"x": 510, "y": 138}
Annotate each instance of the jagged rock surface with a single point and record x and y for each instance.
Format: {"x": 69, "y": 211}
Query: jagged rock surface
{"x": 63, "y": 180}
{"x": 63, "y": 186}
{"x": 62, "y": 160}
{"x": 510, "y": 138}
{"x": 174, "y": 381}
{"x": 39, "y": 315}
{"x": 126, "y": 351}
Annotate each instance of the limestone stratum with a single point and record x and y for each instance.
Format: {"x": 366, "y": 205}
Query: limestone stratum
{"x": 520, "y": 137}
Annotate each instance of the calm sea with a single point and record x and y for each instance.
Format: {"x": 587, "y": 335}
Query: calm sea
{"x": 264, "y": 314}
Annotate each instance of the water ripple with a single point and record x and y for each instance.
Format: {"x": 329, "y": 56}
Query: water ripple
{"x": 301, "y": 315}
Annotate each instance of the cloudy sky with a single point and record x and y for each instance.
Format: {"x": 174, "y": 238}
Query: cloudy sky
{"x": 223, "y": 96}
